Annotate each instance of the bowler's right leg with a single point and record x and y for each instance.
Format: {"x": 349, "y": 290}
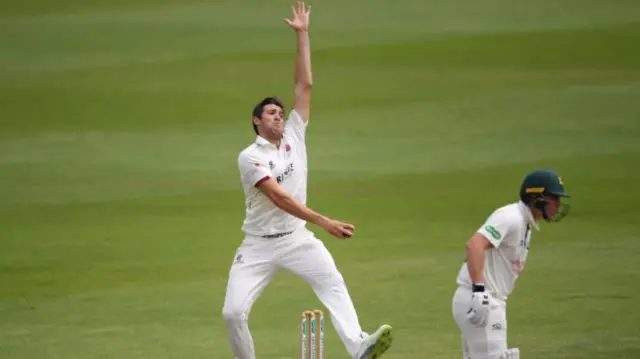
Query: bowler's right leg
{"x": 250, "y": 273}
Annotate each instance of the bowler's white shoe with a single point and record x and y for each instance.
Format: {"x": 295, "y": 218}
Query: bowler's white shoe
{"x": 376, "y": 345}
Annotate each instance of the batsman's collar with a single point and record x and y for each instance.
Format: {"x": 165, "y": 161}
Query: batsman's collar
{"x": 526, "y": 212}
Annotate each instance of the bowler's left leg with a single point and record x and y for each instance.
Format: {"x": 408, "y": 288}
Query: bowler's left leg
{"x": 307, "y": 257}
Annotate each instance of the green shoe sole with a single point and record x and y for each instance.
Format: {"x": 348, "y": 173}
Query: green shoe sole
{"x": 382, "y": 344}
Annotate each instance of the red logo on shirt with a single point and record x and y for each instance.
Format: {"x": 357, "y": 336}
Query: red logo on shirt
{"x": 518, "y": 266}
{"x": 287, "y": 148}
{"x": 257, "y": 165}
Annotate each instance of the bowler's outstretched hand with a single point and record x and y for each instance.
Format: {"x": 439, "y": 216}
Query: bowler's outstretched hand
{"x": 300, "y": 20}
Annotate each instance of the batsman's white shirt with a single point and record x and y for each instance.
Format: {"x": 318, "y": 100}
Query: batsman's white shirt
{"x": 508, "y": 229}
{"x": 287, "y": 165}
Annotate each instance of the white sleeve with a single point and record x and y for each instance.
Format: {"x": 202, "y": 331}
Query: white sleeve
{"x": 496, "y": 227}
{"x": 252, "y": 170}
{"x": 296, "y": 126}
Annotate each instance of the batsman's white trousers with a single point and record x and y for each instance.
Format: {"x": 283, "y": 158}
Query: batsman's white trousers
{"x": 257, "y": 261}
{"x": 488, "y": 342}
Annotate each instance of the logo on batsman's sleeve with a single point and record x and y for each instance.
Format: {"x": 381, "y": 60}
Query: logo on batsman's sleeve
{"x": 493, "y": 231}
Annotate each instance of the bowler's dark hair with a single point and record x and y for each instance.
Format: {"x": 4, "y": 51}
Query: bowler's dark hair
{"x": 259, "y": 109}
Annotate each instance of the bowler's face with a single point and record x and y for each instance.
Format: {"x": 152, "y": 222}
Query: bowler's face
{"x": 271, "y": 124}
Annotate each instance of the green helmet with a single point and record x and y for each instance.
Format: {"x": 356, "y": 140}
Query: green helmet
{"x": 539, "y": 184}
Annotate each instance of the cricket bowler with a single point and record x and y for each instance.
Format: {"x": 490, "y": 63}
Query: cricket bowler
{"x": 273, "y": 172}
{"x": 496, "y": 255}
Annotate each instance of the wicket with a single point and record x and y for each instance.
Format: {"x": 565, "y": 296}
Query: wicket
{"x": 312, "y": 334}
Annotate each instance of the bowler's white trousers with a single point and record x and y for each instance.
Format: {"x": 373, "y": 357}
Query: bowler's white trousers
{"x": 488, "y": 342}
{"x": 257, "y": 261}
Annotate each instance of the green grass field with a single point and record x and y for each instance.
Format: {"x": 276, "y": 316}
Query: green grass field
{"x": 120, "y": 202}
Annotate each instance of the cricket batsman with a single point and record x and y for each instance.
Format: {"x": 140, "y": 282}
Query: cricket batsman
{"x": 273, "y": 173}
{"x": 496, "y": 255}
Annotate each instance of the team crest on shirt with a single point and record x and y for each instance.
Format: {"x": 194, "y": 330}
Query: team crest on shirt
{"x": 271, "y": 165}
{"x": 287, "y": 147}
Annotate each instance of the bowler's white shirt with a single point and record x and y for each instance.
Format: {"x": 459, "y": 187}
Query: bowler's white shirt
{"x": 508, "y": 229}
{"x": 287, "y": 165}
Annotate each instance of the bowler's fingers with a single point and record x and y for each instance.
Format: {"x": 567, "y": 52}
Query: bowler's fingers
{"x": 339, "y": 233}
{"x": 347, "y": 230}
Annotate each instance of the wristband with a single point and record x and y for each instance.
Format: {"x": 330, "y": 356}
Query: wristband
{"x": 479, "y": 287}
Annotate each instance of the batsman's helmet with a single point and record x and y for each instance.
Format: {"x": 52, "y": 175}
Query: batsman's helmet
{"x": 541, "y": 183}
